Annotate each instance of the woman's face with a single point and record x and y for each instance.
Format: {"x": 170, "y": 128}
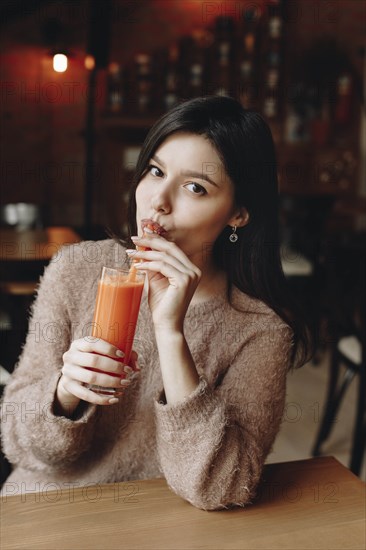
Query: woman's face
{"x": 187, "y": 191}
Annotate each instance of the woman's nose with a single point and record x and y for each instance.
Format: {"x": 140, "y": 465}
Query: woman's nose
{"x": 161, "y": 201}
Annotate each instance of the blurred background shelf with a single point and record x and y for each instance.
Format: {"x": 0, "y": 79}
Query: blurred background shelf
{"x": 300, "y": 63}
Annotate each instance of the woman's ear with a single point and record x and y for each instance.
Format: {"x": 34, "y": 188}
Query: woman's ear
{"x": 240, "y": 219}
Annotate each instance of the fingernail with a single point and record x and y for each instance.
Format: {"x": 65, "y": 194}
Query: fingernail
{"x": 127, "y": 369}
{"x": 130, "y": 251}
{"x": 124, "y": 382}
{"x": 113, "y": 401}
{"x": 120, "y": 353}
{"x": 135, "y": 238}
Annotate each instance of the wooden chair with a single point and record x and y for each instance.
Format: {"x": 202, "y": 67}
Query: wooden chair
{"x": 347, "y": 329}
{"x": 18, "y": 281}
{"x": 303, "y": 233}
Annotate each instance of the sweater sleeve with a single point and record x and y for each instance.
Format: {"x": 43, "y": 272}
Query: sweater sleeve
{"x": 32, "y": 436}
{"x": 212, "y": 446}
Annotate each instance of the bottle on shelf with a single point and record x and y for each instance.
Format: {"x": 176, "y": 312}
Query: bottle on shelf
{"x": 193, "y": 63}
{"x": 221, "y": 74}
{"x": 343, "y": 104}
{"x": 115, "y": 89}
{"x": 272, "y": 68}
{"x": 168, "y": 64}
{"x": 247, "y": 61}
{"x": 275, "y": 19}
{"x": 271, "y": 93}
{"x": 141, "y": 86}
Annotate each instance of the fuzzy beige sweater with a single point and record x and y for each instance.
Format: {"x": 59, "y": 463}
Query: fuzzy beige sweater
{"x": 210, "y": 448}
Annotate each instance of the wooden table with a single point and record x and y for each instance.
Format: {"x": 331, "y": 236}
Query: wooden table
{"x": 314, "y": 503}
{"x": 34, "y": 244}
{"x": 24, "y": 254}
{"x": 23, "y": 257}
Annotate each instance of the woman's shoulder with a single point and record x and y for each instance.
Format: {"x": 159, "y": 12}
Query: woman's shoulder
{"x": 94, "y": 252}
{"x": 90, "y": 253}
{"x": 255, "y": 308}
{"x": 239, "y": 307}
{"x": 83, "y": 261}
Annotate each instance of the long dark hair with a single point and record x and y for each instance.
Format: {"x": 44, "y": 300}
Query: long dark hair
{"x": 244, "y": 143}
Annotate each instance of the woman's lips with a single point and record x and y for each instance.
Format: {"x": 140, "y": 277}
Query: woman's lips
{"x": 150, "y": 226}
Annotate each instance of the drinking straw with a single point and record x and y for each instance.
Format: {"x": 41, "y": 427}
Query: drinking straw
{"x": 132, "y": 273}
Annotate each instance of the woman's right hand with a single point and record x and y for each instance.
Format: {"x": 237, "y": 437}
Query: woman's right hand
{"x": 92, "y": 361}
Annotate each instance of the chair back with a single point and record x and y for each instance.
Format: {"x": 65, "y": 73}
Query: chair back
{"x": 303, "y": 222}
{"x": 346, "y": 289}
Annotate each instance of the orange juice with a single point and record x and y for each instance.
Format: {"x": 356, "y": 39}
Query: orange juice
{"x": 117, "y": 308}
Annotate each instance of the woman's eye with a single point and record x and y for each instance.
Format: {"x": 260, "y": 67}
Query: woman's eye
{"x": 155, "y": 171}
{"x": 196, "y": 188}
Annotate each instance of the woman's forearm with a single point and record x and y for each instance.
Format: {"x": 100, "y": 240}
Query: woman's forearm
{"x": 180, "y": 377}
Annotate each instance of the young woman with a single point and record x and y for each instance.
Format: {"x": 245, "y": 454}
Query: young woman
{"x": 216, "y": 334}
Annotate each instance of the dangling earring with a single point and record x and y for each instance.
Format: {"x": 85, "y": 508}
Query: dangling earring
{"x": 233, "y": 237}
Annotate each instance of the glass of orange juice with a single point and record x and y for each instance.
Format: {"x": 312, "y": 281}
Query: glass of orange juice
{"x": 116, "y": 311}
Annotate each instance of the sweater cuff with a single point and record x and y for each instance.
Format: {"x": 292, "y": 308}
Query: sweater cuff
{"x": 200, "y": 404}
{"x": 83, "y": 412}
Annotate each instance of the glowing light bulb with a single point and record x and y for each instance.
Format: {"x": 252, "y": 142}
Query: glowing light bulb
{"x": 60, "y": 63}
{"x": 89, "y": 62}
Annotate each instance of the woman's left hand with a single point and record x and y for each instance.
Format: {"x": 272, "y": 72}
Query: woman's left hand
{"x": 172, "y": 278}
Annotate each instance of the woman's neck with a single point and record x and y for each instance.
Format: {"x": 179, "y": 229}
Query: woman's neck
{"x": 213, "y": 283}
